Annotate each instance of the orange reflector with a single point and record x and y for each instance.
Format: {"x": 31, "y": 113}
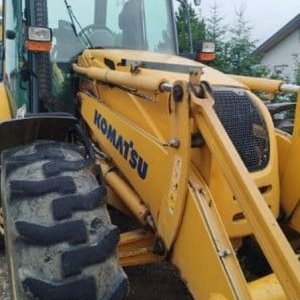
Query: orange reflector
{"x": 36, "y": 46}
{"x": 204, "y": 56}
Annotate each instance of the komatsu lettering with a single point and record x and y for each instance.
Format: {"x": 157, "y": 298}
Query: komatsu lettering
{"x": 124, "y": 146}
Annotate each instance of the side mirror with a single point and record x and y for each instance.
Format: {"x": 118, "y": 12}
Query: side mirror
{"x": 10, "y": 34}
{"x": 197, "y": 2}
{"x": 206, "y": 53}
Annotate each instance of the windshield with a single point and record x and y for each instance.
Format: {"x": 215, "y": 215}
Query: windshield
{"x": 130, "y": 24}
{"x": 45, "y": 82}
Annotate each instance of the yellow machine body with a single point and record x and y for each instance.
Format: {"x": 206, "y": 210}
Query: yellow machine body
{"x": 151, "y": 124}
{"x": 189, "y": 152}
{"x": 202, "y": 201}
{"x": 5, "y": 109}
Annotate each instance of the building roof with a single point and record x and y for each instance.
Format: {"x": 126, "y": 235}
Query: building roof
{"x": 281, "y": 34}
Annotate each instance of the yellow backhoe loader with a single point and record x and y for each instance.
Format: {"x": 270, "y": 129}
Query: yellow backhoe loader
{"x": 96, "y": 108}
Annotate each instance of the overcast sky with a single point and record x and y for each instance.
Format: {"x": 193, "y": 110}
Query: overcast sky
{"x": 265, "y": 16}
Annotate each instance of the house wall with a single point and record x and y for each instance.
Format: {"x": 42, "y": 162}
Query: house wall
{"x": 282, "y": 54}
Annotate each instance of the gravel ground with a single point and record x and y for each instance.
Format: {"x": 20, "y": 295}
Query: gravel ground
{"x": 152, "y": 282}
{"x": 156, "y": 282}
{"x": 4, "y": 285}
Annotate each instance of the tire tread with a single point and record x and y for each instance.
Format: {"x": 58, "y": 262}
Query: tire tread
{"x": 80, "y": 246}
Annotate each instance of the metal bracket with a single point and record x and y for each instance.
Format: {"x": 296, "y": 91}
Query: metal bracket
{"x": 137, "y": 248}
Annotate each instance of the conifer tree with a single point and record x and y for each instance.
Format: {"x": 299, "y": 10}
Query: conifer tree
{"x": 186, "y": 13}
{"x": 216, "y": 33}
{"x": 240, "y": 55}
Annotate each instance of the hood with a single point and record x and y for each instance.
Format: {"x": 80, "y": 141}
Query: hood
{"x": 171, "y": 67}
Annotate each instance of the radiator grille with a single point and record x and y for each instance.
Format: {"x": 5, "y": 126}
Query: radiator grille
{"x": 245, "y": 126}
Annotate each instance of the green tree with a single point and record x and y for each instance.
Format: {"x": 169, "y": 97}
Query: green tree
{"x": 186, "y": 10}
{"x": 234, "y": 45}
{"x": 216, "y": 32}
{"x": 241, "y": 46}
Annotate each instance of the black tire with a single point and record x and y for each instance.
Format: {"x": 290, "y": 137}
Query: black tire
{"x": 59, "y": 237}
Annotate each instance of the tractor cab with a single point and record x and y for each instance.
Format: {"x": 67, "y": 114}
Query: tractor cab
{"x": 40, "y": 79}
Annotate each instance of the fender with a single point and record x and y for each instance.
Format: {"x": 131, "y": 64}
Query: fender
{"x": 50, "y": 126}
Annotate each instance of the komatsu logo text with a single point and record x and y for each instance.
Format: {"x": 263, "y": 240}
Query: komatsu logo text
{"x": 125, "y": 147}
